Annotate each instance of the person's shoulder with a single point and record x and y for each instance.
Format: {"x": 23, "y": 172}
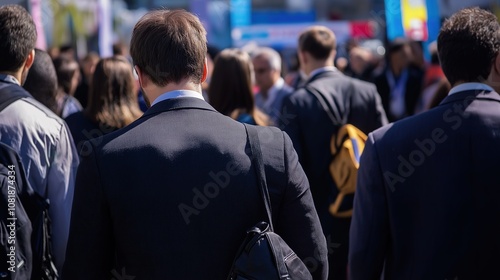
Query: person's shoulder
{"x": 74, "y": 117}
{"x": 39, "y": 115}
{"x": 72, "y": 102}
{"x": 286, "y": 89}
{"x": 78, "y": 120}
{"x": 408, "y": 128}
{"x": 298, "y": 93}
{"x": 272, "y": 141}
{"x": 360, "y": 84}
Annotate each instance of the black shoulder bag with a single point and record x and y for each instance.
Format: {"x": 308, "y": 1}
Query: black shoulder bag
{"x": 264, "y": 255}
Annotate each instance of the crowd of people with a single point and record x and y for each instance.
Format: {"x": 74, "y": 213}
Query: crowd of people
{"x": 145, "y": 161}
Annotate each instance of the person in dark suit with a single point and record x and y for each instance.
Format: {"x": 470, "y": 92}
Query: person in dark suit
{"x": 426, "y": 205}
{"x": 171, "y": 195}
{"x": 308, "y": 125}
{"x": 400, "y": 84}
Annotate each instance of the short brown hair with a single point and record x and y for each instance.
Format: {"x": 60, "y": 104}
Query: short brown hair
{"x": 468, "y": 44}
{"x": 318, "y": 41}
{"x": 17, "y": 37}
{"x": 66, "y": 68}
{"x": 169, "y": 46}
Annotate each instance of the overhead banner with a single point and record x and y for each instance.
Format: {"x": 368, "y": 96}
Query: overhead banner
{"x": 285, "y": 35}
{"x": 36, "y": 13}
{"x": 105, "y": 28}
{"x": 240, "y": 13}
{"x": 414, "y": 19}
{"x": 414, "y": 15}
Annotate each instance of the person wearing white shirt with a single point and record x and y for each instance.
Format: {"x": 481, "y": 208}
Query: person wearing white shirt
{"x": 272, "y": 88}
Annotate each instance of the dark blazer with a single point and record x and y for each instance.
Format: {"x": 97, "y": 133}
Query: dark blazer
{"x": 310, "y": 129}
{"x": 412, "y": 93}
{"x": 83, "y": 129}
{"x": 427, "y": 201}
{"x": 171, "y": 197}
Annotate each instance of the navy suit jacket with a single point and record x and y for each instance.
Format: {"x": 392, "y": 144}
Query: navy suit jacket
{"x": 310, "y": 129}
{"x": 171, "y": 197}
{"x": 427, "y": 201}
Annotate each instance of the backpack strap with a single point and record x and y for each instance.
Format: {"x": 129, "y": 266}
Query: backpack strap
{"x": 256, "y": 156}
{"x": 10, "y": 93}
{"x": 327, "y": 103}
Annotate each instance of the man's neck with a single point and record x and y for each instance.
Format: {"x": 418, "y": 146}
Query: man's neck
{"x": 318, "y": 65}
{"x": 154, "y": 91}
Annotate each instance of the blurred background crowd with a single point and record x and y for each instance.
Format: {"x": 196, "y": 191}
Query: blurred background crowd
{"x": 390, "y": 43}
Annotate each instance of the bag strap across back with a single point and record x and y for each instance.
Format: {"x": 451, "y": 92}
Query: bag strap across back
{"x": 327, "y": 103}
{"x": 256, "y": 156}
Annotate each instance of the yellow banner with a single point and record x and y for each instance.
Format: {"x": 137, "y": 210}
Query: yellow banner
{"x": 414, "y": 17}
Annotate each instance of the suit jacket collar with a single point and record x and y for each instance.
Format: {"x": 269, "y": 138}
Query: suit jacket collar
{"x": 471, "y": 94}
{"x": 178, "y": 104}
{"x": 323, "y": 75}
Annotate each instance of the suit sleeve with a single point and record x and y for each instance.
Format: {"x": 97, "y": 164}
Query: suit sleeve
{"x": 298, "y": 223}
{"x": 90, "y": 245}
{"x": 370, "y": 227}
{"x": 60, "y": 188}
{"x": 289, "y": 122}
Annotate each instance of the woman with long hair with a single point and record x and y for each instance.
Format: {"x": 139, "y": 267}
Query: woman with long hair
{"x": 230, "y": 90}
{"x": 112, "y": 101}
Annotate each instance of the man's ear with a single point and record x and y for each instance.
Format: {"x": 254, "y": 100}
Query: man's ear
{"x": 302, "y": 57}
{"x": 143, "y": 80}
{"x": 494, "y": 76}
{"x": 496, "y": 64}
{"x": 29, "y": 60}
{"x": 205, "y": 71}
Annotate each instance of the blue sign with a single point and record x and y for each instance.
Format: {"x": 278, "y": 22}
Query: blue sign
{"x": 240, "y": 13}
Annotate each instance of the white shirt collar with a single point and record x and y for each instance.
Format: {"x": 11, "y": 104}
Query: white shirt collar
{"x": 321, "y": 70}
{"x": 177, "y": 94}
{"x": 273, "y": 92}
{"x": 470, "y": 86}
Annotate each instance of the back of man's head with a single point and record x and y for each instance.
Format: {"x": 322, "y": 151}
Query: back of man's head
{"x": 41, "y": 81}
{"x": 66, "y": 69}
{"x": 318, "y": 41}
{"x": 468, "y": 44}
{"x": 17, "y": 37}
{"x": 169, "y": 46}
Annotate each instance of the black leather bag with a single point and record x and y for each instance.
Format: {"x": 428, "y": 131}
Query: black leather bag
{"x": 264, "y": 255}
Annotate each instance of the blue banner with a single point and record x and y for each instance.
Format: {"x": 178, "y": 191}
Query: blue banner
{"x": 240, "y": 13}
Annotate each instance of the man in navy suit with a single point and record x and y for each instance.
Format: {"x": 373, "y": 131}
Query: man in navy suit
{"x": 171, "y": 195}
{"x": 427, "y": 200}
{"x": 308, "y": 125}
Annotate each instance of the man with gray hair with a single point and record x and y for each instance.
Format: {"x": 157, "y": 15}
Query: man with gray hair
{"x": 272, "y": 88}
